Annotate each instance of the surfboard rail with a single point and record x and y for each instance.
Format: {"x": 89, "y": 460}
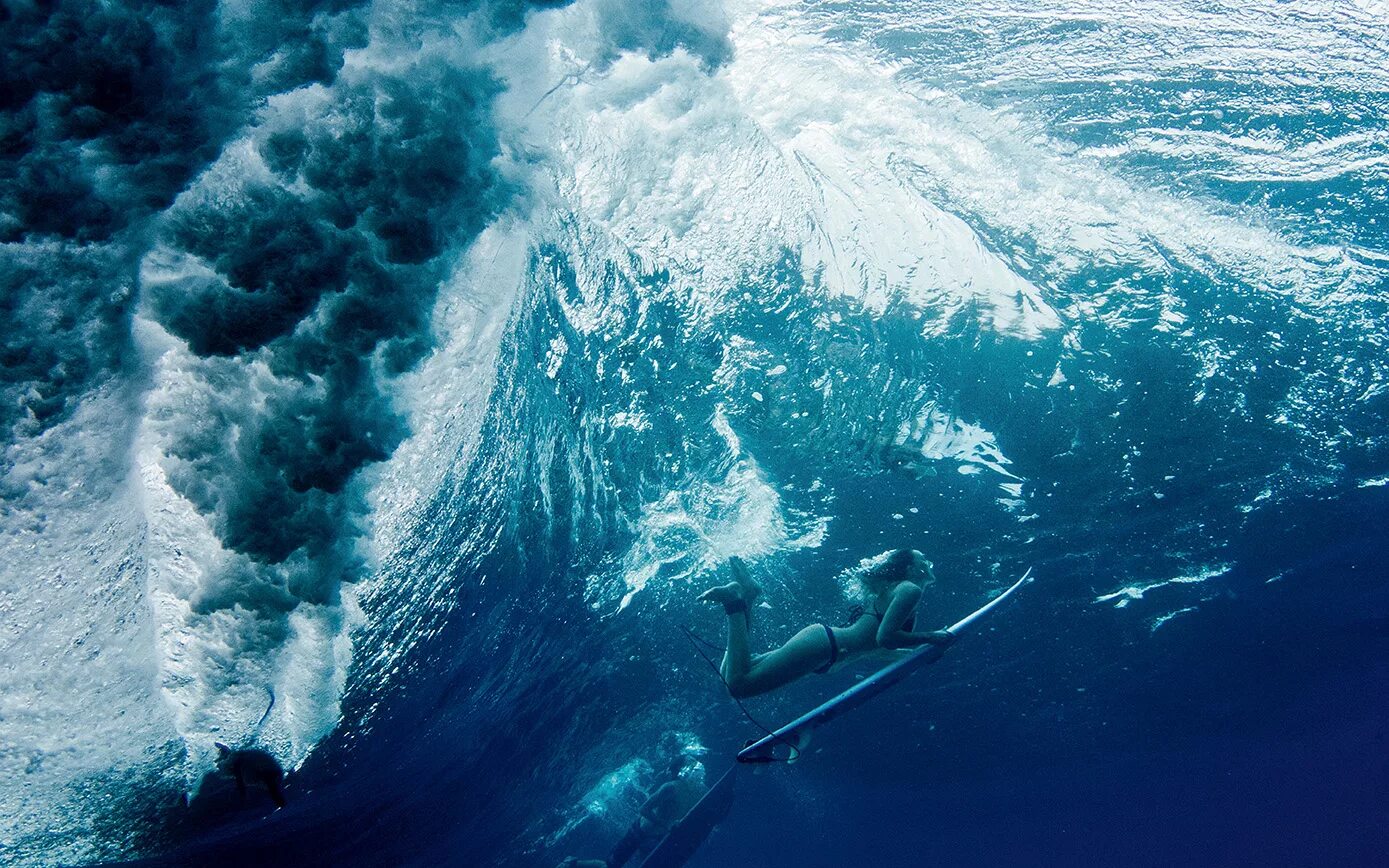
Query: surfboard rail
{"x": 794, "y": 733}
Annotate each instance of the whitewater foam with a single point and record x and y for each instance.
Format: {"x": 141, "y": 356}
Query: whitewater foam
{"x": 79, "y": 704}
{"x": 691, "y": 532}
{"x": 1126, "y": 595}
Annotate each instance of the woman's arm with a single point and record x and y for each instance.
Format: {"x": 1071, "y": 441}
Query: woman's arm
{"x": 905, "y": 598}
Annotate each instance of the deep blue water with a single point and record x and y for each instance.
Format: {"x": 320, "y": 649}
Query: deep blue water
{"x": 418, "y": 364}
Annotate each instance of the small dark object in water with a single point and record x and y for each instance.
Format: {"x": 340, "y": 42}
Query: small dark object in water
{"x": 251, "y": 764}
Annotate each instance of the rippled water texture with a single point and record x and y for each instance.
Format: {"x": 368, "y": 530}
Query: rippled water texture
{"x": 416, "y": 364}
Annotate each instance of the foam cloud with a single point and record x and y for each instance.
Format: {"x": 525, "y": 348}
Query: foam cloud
{"x": 64, "y": 293}
{"x": 297, "y": 275}
{"x": 106, "y": 111}
{"x": 660, "y": 28}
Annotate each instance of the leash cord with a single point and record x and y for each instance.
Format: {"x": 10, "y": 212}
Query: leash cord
{"x": 695, "y": 640}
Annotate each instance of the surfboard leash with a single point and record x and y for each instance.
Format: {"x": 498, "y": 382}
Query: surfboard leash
{"x": 695, "y": 641}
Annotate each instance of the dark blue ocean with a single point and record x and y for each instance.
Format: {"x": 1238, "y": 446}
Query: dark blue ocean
{"x": 382, "y": 382}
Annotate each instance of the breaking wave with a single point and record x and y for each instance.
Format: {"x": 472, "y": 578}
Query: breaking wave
{"x": 340, "y": 336}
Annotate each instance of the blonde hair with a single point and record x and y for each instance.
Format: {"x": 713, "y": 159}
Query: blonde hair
{"x": 872, "y": 574}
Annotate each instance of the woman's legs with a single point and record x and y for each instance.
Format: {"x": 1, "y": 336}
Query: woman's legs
{"x": 735, "y": 597}
{"x": 802, "y": 654}
{"x": 737, "y": 656}
{"x": 745, "y": 674}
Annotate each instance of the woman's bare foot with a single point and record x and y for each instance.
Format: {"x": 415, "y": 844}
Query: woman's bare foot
{"x": 751, "y": 590}
{"x": 723, "y": 594}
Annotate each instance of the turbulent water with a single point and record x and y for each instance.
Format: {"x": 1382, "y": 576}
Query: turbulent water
{"x": 416, "y": 363}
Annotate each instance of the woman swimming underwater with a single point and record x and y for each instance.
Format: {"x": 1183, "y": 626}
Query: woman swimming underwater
{"x": 892, "y": 586}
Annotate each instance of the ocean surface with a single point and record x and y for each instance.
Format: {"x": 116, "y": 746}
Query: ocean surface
{"x": 416, "y": 364}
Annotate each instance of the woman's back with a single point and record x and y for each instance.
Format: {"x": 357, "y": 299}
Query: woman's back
{"x": 861, "y": 635}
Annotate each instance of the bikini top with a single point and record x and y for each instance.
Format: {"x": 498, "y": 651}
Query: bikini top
{"x": 859, "y": 611}
{"x": 908, "y": 625}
